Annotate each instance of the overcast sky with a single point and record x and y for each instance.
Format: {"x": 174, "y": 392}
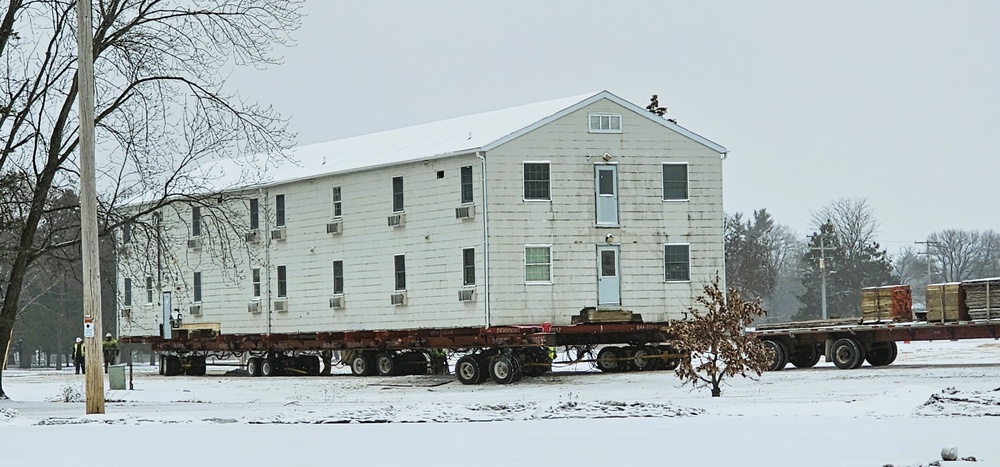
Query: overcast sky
{"x": 895, "y": 102}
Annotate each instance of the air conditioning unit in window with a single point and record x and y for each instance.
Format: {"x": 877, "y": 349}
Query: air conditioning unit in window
{"x": 195, "y": 310}
{"x": 281, "y": 306}
{"x": 398, "y": 298}
{"x": 253, "y": 236}
{"x": 335, "y": 228}
{"x": 278, "y": 233}
{"x": 127, "y": 312}
{"x": 194, "y": 243}
{"x": 253, "y": 307}
{"x": 465, "y": 212}
{"x": 467, "y": 295}
{"x": 397, "y": 220}
{"x": 337, "y": 302}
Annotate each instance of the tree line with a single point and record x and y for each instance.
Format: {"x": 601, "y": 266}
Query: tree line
{"x": 766, "y": 260}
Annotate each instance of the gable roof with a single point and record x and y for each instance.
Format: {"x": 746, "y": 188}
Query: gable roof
{"x": 461, "y": 135}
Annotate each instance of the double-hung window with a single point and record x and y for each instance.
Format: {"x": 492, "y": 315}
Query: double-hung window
{"x": 338, "y": 277}
{"x": 197, "y": 287}
{"x": 282, "y": 282}
{"x": 128, "y": 292}
{"x": 255, "y": 281}
{"x": 676, "y": 262}
{"x": 337, "y": 212}
{"x": 149, "y": 290}
{"x": 397, "y": 194}
{"x": 538, "y": 263}
{"x": 399, "y": 267}
{"x": 469, "y": 266}
{"x": 195, "y": 221}
{"x": 279, "y": 210}
{"x": 675, "y": 181}
{"x": 466, "y": 173}
{"x": 254, "y": 214}
{"x": 536, "y": 181}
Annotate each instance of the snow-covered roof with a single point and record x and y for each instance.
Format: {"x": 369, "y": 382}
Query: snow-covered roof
{"x": 461, "y": 135}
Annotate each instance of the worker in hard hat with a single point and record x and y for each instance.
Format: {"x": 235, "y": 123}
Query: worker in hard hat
{"x": 110, "y": 346}
{"x": 78, "y": 353}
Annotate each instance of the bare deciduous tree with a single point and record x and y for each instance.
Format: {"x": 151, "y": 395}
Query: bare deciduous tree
{"x": 715, "y": 341}
{"x": 161, "y": 111}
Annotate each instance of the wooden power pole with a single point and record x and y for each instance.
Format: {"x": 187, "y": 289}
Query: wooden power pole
{"x": 88, "y": 213}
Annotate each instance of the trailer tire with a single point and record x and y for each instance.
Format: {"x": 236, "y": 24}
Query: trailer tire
{"x": 669, "y": 363}
{"x": 162, "y": 365}
{"x": 779, "y": 355}
{"x": 196, "y": 365}
{"x": 269, "y": 367}
{"x": 171, "y": 365}
{"x": 253, "y": 366}
{"x": 386, "y": 364}
{"x": 469, "y": 370}
{"x": 610, "y": 359}
{"x": 362, "y": 364}
{"x": 805, "y": 356}
{"x": 847, "y": 353}
{"x": 645, "y": 358}
{"x": 881, "y": 353}
{"x": 895, "y": 352}
{"x": 504, "y": 369}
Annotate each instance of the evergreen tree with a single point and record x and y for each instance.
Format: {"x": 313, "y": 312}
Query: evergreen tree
{"x": 750, "y": 265}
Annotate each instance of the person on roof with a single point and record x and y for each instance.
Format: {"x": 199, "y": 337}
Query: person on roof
{"x": 110, "y": 346}
{"x": 78, "y": 356}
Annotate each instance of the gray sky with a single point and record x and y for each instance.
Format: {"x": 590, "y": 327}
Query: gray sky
{"x": 896, "y": 102}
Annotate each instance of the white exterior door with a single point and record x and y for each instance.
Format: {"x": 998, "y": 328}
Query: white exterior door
{"x": 606, "y": 182}
{"x": 608, "y": 277}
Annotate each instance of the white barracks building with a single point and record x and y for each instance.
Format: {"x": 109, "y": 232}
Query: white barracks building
{"x": 517, "y": 216}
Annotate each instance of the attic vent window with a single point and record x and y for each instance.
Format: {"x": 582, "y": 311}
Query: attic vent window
{"x": 605, "y": 123}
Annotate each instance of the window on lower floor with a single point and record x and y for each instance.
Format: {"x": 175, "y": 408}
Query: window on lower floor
{"x": 255, "y": 280}
{"x": 338, "y": 277}
{"x": 676, "y": 262}
{"x": 469, "y": 266}
{"x": 197, "y": 287}
{"x": 282, "y": 282}
{"x": 538, "y": 263}
{"x": 149, "y": 289}
{"x": 128, "y": 292}
{"x": 400, "y": 271}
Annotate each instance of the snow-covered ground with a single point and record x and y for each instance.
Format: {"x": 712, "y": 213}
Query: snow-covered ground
{"x": 936, "y": 395}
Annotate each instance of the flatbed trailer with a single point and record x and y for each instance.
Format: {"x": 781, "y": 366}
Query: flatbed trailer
{"x": 848, "y": 343}
{"x": 503, "y": 353}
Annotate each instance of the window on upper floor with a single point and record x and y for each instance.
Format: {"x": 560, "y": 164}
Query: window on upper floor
{"x": 675, "y": 181}
{"x": 128, "y": 292}
{"x": 255, "y": 282}
{"x": 538, "y": 263}
{"x": 282, "y": 282}
{"x": 127, "y": 232}
{"x": 197, "y": 287}
{"x": 149, "y": 290}
{"x": 466, "y": 173}
{"x": 397, "y": 194}
{"x": 254, "y": 214}
{"x": 677, "y": 262}
{"x": 335, "y": 199}
{"x": 605, "y": 123}
{"x": 399, "y": 267}
{"x": 279, "y": 210}
{"x": 469, "y": 266}
{"x": 536, "y": 181}
{"x": 195, "y": 221}
{"x": 338, "y": 277}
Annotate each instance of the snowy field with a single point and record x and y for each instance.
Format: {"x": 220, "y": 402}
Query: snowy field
{"x": 936, "y": 395}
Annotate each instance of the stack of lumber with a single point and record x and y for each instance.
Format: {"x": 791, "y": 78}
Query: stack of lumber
{"x": 982, "y": 297}
{"x": 887, "y": 303}
{"x": 946, "y": 302}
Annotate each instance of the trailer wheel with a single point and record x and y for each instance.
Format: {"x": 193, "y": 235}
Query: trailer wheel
{"x": 881, "y": 354}
{"x": 847, "y": 353}
{"x": 385, "y": 364}
{"x": 196, "y": 365}
{"x": 504, "y": 369}
{"x": 778, "y": 355}
{"x": 645, "y": 358}
{"x": 469, "y": 370}
{"x": 805, "y": 356}
{"x": 162, "y": 365}
{"x": 171, "y": 365}
{"x": 895, "y": 352}
{"x": 669, "y": 363}
{"x": 253, "y": 366}
{"x": 610, "y": 359}
{"x": 362, "y": 364}
{"x": 269, "y": 367}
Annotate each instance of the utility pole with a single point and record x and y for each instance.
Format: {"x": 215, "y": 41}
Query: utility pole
{"x": 822, "y": 272}
{"x": 88, "y": 212}
{"x": 927, "y": 256}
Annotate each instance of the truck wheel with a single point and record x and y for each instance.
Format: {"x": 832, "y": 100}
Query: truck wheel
{"x": 805, "y": 356}
{"x": 669, "y": 363}
{"x": 196, "y": 365}
{"x": 269, "y": 367}
{"x": 881, "y": 354}
{"x": 778, "y": 355}
{"x": 504, "y": 369}
{"x": 610, "y": 359}
{"x": 386, "y": 365}
{"x": 469, "y": 370}
{"x": 171, "y": 365}
{"x": 895, "y": 352}
{"x": 253, "y": 366}
{"x": 362, "y": 364}
{"x": 847, "y": 354}
{"x": 645, "y": 358}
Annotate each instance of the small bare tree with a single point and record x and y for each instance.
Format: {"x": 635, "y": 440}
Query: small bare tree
{"x": 715, "y": 341}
